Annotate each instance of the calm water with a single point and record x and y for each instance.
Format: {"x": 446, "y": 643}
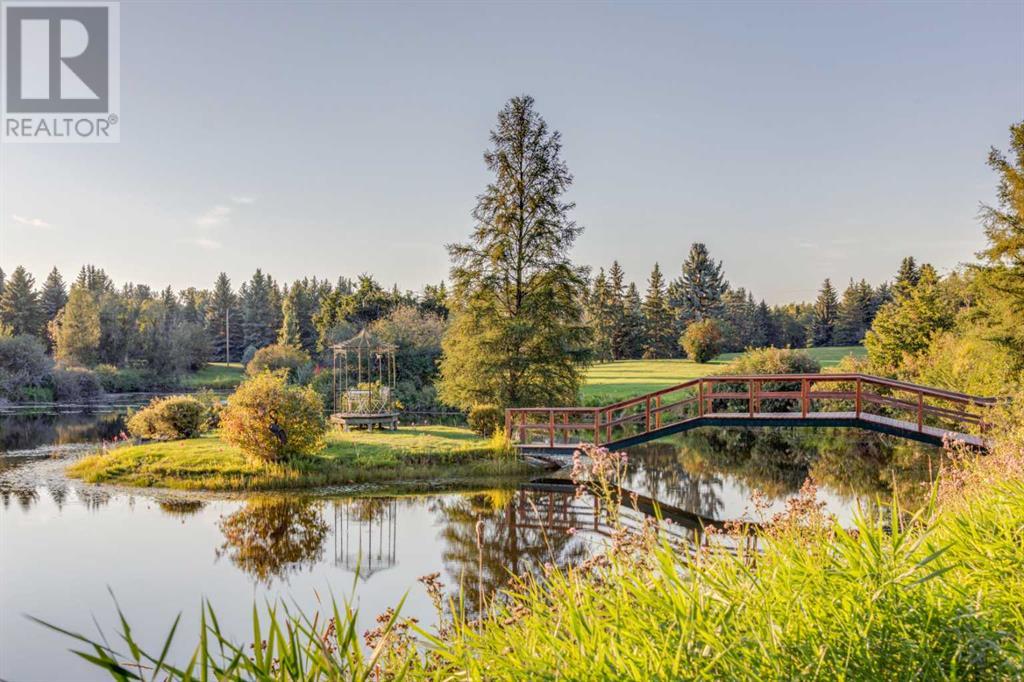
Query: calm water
{"x": 62, "y": 545}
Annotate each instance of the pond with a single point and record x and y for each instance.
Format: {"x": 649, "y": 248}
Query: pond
{"x": 63, "y": 544}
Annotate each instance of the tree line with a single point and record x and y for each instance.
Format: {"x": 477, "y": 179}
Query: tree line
{"x": 626, "y": 325}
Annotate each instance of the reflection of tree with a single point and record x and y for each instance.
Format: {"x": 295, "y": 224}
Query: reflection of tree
{"x": 519, "y": 533}
{"x": 850, "y": 462}
{"x": 29, "y": 431}
{"x": 657, "y": 470}
{"x": 273, "y": 536}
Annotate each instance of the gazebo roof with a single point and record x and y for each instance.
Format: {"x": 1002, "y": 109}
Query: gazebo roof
{"x": 365, "y": 340}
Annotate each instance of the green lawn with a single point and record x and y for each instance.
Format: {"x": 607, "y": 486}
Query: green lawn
{"x": 611, "y": 381}
{"x": 216, "y": 375}
{"x": 433, "y": 454}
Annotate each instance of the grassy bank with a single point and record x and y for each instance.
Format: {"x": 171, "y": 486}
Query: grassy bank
{"x": 612, "y": 381}
{"x": 215, "y": 376}
{"x": 429, "y": 453}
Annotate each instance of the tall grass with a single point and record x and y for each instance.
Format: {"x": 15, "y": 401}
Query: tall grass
{"x": 938, "y": 594}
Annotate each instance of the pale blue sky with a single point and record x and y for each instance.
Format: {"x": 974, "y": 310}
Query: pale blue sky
{"x": 797, "y": 140}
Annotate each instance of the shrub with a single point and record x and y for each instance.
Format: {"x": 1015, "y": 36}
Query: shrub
{"x": 702, "y": 340}
{"x": 24, "y": 366}
{"x": 486, "y": 419}
{"x": 768, "y": 361}
{"x": 71, "y": 384}
{"x": 270, "y": 420}
{"x": 277, "y": 357}
{"x": 172, "y": 418}
{"x": 773, "y": 361}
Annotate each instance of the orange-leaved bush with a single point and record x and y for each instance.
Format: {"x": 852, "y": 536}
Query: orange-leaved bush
{"x": 270, "y": 419}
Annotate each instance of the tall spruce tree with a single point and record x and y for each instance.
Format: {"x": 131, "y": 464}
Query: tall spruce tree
{"x": 697, "y": 293}
{"x": 516, "y": 334}
{"x": 617, "y": 294}
{"x": 855, "y": 314}
{"x": 907, "y": 277}
{"x": 632, "y": 333}
{"x": 823, "y": 321}
{"x": 223, "y": 318}
{"x": 601, "y": 317}
{"x": 765, "y": 331}
{"x": 19, "y": 304}
{"x": 659, "y": 326}
{"x": 53, "y": 297}
{"x": 259, "y": 317}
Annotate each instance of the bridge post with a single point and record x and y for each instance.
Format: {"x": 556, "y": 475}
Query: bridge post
{"x": 804, "y": 398}
{"x": 551, "y": 428}
{"x": 920, "y": 411}
{"x": 508, "y": 425}
{"x": 647, "y": 414}
{"x": 597, "y": 426}
{"x": 700, "y": 398}
{"x": 750, "y": 397}
{"x": 857, "y": 403}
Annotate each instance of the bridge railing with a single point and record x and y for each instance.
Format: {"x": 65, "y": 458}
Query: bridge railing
{"x": 858, "y": 396}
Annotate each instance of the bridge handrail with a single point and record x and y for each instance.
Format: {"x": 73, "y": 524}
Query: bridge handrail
{"x": 804, "y": 395}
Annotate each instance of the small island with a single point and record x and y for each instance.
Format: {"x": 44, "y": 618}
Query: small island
{"x": 440, "y": 455}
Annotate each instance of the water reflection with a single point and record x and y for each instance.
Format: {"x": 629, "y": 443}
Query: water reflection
{"x": 712, "y": 472}
{"x": 365, "y": 537}
{"x": 24, "y": 432}
{"x": 271, "y": 537}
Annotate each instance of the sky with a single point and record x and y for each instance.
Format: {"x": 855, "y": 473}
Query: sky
{"x": 797, "y": 140}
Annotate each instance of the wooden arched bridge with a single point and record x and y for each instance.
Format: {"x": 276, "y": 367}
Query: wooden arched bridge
{"x": 918, "y": 412}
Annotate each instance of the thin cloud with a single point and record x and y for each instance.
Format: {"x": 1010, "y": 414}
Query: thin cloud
{"x": 218, "y": 215}
{"x": 31, "y": 222}
{"x": 208, "y": 244}
{"x": 243, "y": 199}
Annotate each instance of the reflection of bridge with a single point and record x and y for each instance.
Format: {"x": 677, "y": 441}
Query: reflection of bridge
{"x": 553, "y": 506}
{"x": 918, "y": 412}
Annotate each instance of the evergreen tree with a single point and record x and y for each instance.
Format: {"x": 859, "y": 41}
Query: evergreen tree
{"x": 76, "y": 330}
{"x": 737, "y": 316}
{"x": 259, "y": 317}
{"x": 516, "y": 335}
{"x": 297, "y": 310}
{"x": 697, "y": 294}
{"x": 52, "y": 298}
{"x": 19, "y": 304}
{"x": 823, "y": 322}
{"x": 94, "y": 280}
{"x": 435, "y": 300}
{"x": 601, "y": 317}
{"x": 3, "y": 280}
{"x": 631, "y": 343}
{"x": 904, "y": 328}
{"x": 856, "y": 312}
{"x": 223, "y": 316}
{"x": 617, "y": 296}
{"x": 1001, "y": 278}
{"x": 907, "y": 277}
{"x": 765, "y": 332}
{"x": 659, "y": 328}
